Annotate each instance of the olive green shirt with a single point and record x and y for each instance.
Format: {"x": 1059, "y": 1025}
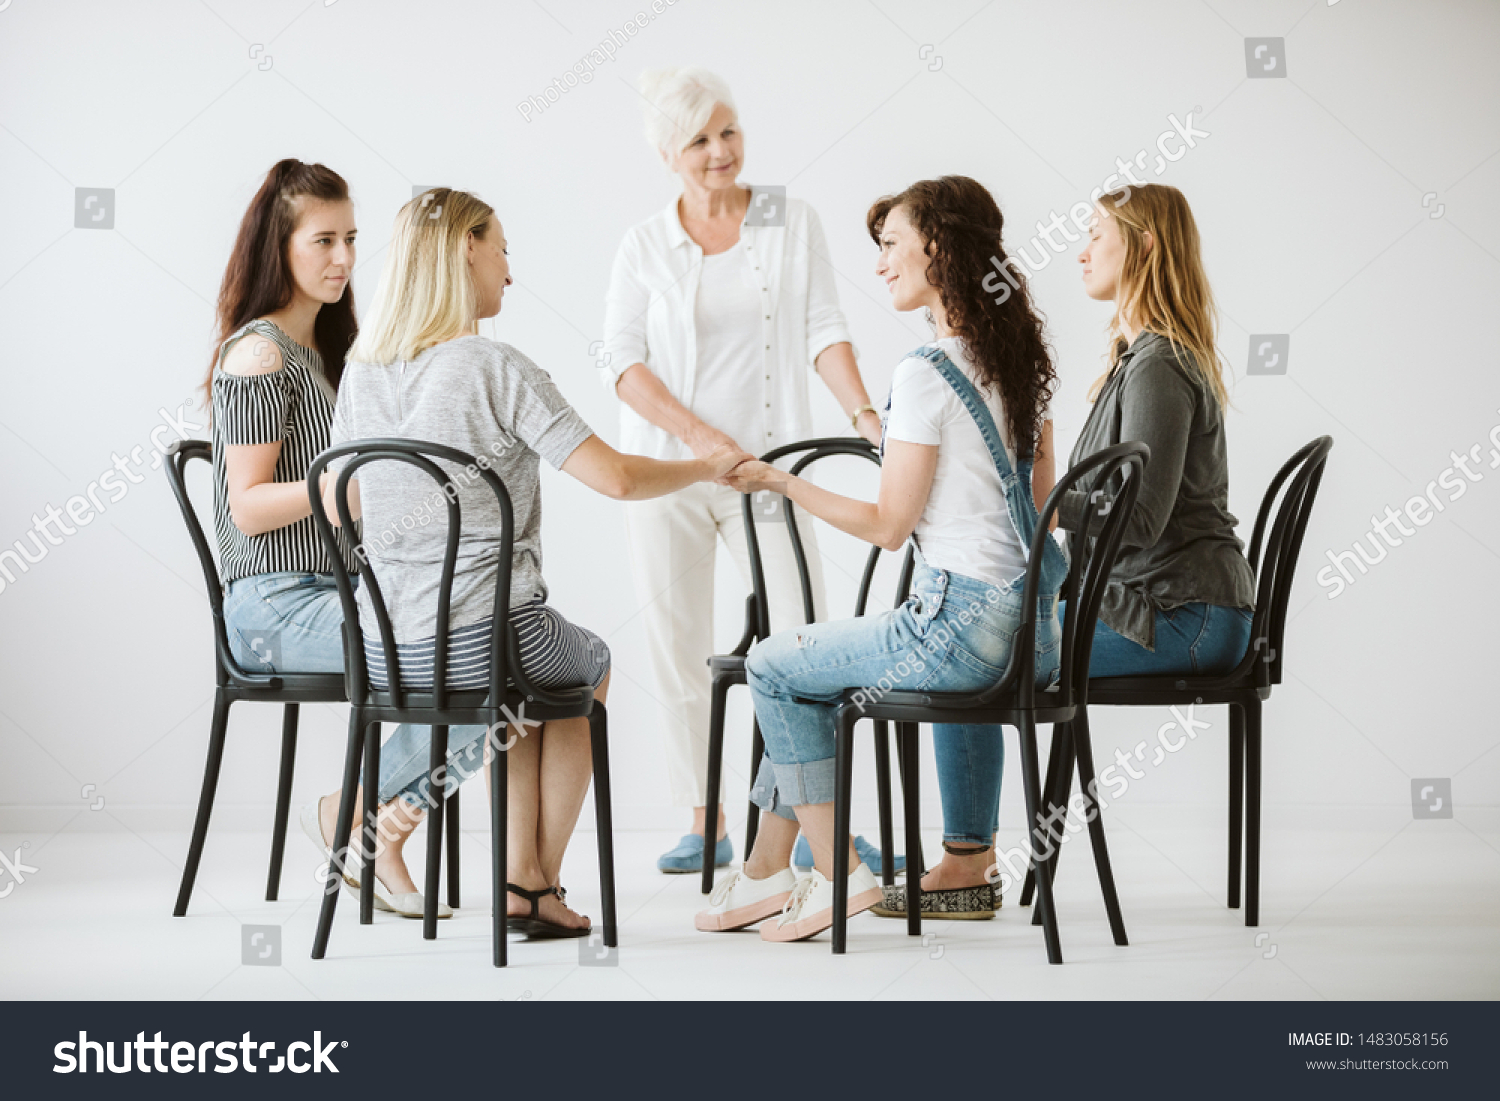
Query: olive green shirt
{"x": 1179, "y": 545}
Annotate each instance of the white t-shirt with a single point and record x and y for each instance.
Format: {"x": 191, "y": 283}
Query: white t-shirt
{"x": 729, "y": 391}
{"x": 965, "y": 527}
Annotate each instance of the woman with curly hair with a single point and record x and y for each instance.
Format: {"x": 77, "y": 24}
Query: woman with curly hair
{"x": 967, "y": 460}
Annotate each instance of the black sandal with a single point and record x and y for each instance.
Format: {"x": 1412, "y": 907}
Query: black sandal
{"x": 534, "y": 925}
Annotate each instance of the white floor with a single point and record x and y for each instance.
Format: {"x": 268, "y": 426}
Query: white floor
{"x": 1358, "y": 903}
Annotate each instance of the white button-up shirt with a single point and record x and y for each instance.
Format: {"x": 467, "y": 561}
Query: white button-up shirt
{"x": 649, "y": 318}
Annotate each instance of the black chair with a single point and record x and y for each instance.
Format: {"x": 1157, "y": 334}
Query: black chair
{"x": 510, "y": 694}
{"x": 728, "y": 669}
{"x": 1243, "y": 688}
{"x": 1014, "y": 699}
{"x": 233, "y": 684}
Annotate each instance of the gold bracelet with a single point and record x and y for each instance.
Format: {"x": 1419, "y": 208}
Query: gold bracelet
{"x": 854, "y": 417}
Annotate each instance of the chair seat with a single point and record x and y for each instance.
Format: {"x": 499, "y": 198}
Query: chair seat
{"x": 1172, "y": 688}
{"x": 467, "y": 708}
{"x": 956, "y": 707}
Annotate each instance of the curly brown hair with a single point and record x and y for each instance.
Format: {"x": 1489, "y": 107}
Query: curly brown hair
{"x": 1004, "y": 336}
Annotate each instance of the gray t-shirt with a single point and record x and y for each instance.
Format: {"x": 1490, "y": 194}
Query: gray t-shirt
{"x": 483, "y": 398}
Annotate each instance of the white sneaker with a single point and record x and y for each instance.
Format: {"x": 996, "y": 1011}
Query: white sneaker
{"x": 739, "y": 901}
{"x": 809, "y": 909}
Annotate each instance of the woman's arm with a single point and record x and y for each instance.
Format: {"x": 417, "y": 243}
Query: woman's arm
{"x": 905, "y": 482}
{"x": 640, "y": 389}
{"x": 1044, "y": 472}
{"x": 637, "y": 478}
{"x": 840, "y": 374}
{"x": 258, "y": 503}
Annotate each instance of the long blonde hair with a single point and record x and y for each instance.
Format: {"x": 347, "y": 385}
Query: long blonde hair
{"x": 426, "y": 295}
{"x": 1162, "y": 288}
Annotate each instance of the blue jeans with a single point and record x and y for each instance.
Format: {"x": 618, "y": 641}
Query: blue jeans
{"x": 953, "y": 634}
{"x": 1191, "y": 638}
{"x": 294, "y": 623}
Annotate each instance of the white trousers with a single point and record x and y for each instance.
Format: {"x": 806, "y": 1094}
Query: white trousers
{"x": 673, "y": 544}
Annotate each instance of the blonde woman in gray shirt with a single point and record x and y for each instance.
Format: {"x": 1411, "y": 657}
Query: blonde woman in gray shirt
{"x": 419, "y": 372}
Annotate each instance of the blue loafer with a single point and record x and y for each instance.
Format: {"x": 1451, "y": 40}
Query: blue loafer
{"x": 870, "y": 854}
{"x": 688, "y": 855}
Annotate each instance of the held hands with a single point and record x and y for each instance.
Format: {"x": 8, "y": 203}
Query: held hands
{"x": 724, "y": 458}
{"x": 754, "y": 476}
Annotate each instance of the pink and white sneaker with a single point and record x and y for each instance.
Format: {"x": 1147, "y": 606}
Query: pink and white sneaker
{"x": 740, "y": 901}
{"x": 809, "y": 910}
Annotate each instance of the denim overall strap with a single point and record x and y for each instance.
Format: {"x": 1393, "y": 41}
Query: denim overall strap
{"x": 1016, "y": 483}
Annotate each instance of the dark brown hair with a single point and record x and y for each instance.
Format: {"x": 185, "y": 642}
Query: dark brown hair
{"x": 1004, "y": 336}
{"x": 258, "y": 279}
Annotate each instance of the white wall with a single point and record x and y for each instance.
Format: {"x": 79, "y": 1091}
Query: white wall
{"x": 1309, "y": 192}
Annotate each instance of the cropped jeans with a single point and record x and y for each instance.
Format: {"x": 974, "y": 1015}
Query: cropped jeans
{"x": 953, "y": 634}
{"x": 294, "y": 623}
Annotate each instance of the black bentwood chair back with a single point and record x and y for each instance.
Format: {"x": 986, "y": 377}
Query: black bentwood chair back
{"x": 233, "y": 684}
{"x": 729, "y": 669}
{"x": 510, "y": 696}
{"x": 1014, "y": 699}
{"x": 1275, "y": 548}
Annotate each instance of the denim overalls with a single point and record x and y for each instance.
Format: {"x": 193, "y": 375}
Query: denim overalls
{"x": 953, "y": 634}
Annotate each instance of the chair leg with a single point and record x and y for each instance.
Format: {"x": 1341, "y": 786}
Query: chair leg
{"x": 370, "y": 835}
{"x": 341, "y": 830}
{"x": 1054, "y": 800}
{"x": 499, "y": 840}
{"x": 907, "y": 744}
{"x": 1236, "y": 800}
{"x": 437, "y": 759}
{"x": 719, "y": 692}
{"x": 1083, "y": 748}
{"x": 216, "y": 733}
{"x": 604, "y": 820}
{"x": 451, "y": 831}
{"x": 1054, "y": 759}
{"x": 752, "y": 813}
{"x": 1252, "y": 812}
{"x": 1032, "y": 785}
{"x": 283, "y": 798}
{"x": 883, "y": 792}
{"x": 843, "y": 795}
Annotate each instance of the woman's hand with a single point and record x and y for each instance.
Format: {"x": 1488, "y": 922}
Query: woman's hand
{"x": 705, "y": 441}
{"x": 724, "y": 458}
{"x": 754, "y": 476}
{"x": 868, "y": 425}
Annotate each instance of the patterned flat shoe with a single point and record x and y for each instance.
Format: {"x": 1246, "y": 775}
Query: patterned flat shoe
{"x": 955, "y": 904}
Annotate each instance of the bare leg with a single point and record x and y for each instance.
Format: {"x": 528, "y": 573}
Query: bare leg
{"x": 816, "y": 820}
{"x": 773, "y": 846}
{"x": 523, "y": 771}
{"x": 563, "y": 781}
{"x": 397, "y": 820}
{"x": 700, "y": 818}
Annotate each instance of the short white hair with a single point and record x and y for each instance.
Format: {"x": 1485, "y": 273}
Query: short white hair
{"x": 679, "y": 103}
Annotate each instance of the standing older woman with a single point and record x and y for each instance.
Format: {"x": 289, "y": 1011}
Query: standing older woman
{"x": 717, "y": 307}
